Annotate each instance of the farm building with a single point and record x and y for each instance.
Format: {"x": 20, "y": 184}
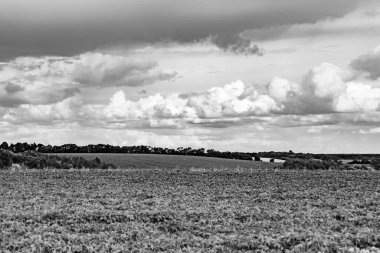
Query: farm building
{"x": 273, "y": 160}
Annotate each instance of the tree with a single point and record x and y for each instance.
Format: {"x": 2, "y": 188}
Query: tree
{"x": 4, "y": 145}
{"x": 376, "y": 163}
{"x": 97, "y": 160}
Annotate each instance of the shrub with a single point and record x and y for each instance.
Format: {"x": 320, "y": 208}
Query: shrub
{"x": 312, "y": 164}
{"x": 5, "y": 158}
{"x": 35, "y": 160}
{"x": 364, "y": 161}
{"x": 376, "y": 163}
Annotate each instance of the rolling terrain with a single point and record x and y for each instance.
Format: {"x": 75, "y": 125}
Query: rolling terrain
{"x": 144, "y": 161}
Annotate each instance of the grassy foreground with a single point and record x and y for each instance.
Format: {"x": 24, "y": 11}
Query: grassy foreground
{"x": 189, "y": 210}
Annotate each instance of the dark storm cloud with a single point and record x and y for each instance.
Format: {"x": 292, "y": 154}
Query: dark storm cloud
{"x": 69, "y": 27}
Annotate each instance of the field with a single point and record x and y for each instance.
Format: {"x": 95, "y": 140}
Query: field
{"x": 189, "y": 210}
{"x": 143, "y": 161}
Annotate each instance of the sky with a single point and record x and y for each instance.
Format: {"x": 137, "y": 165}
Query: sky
{"x": 237, "y": 75}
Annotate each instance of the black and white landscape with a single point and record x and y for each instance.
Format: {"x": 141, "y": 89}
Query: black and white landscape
{"x": 229, "y": 75}
{"x": 189, "y": 125}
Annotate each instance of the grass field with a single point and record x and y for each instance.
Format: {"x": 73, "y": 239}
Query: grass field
{"x": 143, "y": 161}
{"x": 185, "y": 210}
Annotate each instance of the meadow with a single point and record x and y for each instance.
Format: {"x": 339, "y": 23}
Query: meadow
{"x": 171, "y": 210}
{"x": 151, "y": 161}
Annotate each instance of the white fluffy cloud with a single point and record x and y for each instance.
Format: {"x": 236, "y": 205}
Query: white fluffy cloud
{"x": 231, "y": 100}
{"x": 326, "y": 89}
{"x": 48, "y": 80}
{"x": 370, "y": 131}
{"x": 44, "y": 114}
{"x": 326, "y": 95}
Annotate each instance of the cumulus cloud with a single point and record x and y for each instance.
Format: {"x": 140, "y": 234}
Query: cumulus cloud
{"x": 68, "y": 27}
{"x": 43, "y": 114}
{"x": 47, "y": 80}
{"x": 370, "y": 131}
{"x": 369, "y": 64}
{"x": 327, "y": 95}
{"x": 235, "y": 99}
{"x": 325, "y": 90}
{"x": 96, "y": 69}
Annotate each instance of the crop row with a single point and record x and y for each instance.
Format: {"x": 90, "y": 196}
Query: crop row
{"x": 170, "y": 211}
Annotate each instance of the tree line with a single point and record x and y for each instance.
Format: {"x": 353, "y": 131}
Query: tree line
{"x": 106, "y": 148}
{"x": 36, "y": 160}
{"x": 143, "y": 149}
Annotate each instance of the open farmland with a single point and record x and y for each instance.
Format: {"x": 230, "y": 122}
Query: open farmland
{"x": 174, "y": 210}
{"x": 143, "y": 161}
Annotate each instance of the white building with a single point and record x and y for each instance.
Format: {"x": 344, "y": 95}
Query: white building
{"x": 267, "y": 160}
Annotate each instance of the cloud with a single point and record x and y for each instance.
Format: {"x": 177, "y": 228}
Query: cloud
{"x": 317, "y": 129}
{"x": 325, "y": 89}
{"x": 6, "y": 101}
{"x": 370, "y": 131}
{"x": 43, "y": 114}
{"x": 231, "y": 100}
{"x": 142, "y": 92}
{"x": 68, "y": 27}
{"x": 97, "y": 69}
{"x": 236, "y": 44}
{"x": 47, "y": 80}
{"x": 369, "y": 64}
{"x": 13, "y": 88}
{"x": 327, "y": 95}
{"x": 354, "y": 23}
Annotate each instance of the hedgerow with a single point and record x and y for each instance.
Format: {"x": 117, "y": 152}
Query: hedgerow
{"x": 315, "y": 164}
{"x": 35, "y": 160}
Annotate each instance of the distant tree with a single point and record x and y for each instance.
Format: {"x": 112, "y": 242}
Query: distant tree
{"x": 376, "y": 163}
{"x": 4, "y": 145}
{"x": 97, "y": 160}
{"x": 5, "y": 159}
{"x": 257, "y": 159}
{"x": 310, "y": 164}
